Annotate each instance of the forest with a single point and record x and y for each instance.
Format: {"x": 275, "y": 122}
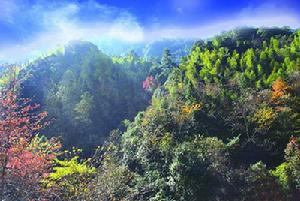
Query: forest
{"x": 206, "y": 120}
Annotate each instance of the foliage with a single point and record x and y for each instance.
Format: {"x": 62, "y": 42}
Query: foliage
{"x": 239, "y": 92}
{"x": 260, "y": 185}
{"x": 223, "y": 124}
{"x": 86, "y": 93}
{"x": 281, "y": 173}
{"x": 149, "y": 83}
{"x": 26, "y": 158}
{"x": 69, "y": 179}
{"x": 280, "y": 88}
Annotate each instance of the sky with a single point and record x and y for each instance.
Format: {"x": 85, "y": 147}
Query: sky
{"x": 31, "y": 26}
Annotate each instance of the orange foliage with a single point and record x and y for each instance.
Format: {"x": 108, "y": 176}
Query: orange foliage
{"x": 188, "y": 109}
{"x": 279, "y": 88}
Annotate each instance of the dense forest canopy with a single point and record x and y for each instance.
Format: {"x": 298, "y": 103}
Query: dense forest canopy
{"x": 218, "y": 122}
{"x": 87, "y": 93}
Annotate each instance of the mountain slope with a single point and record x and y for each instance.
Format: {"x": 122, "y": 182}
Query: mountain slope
{"x": 224, "y": 126}
{"x": 85, "y": 93}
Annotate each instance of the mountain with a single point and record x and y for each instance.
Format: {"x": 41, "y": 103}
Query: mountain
{"x": 178, "y": 47}
{"x": 147, "y": 50}
{"x": 225, "y": 125}
{"x": 88, "y": 93}
{"x": 85, "y": 93}
{"x": 115, "y": 47}
{"x": 221, "y": 123}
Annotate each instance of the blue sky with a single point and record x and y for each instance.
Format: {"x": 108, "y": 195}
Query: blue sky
{"x": 29, "y": 26}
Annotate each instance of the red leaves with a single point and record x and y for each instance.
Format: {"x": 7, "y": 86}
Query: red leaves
{"x": 17, "y": 119}
{"x": 149, "y": 82}
{"x": 26, "y": 163}
{"x": 293, "y": 143}
{"x": 23, "y": 155}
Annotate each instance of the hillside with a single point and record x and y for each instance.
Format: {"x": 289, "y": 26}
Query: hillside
{"x": 224, "y": 126}
{"x": 88, "y": 93}
{"x": 85, "y": 93}
{"x": 219, "y": 124}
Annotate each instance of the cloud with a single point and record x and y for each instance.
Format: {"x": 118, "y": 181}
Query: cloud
{"x": 42, "y": 26}
{"x": 58, "y": 23}
{"x": 206, "y": 31}
{"x": 265, "y": 15}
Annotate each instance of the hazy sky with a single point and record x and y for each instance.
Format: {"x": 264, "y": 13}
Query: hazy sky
{"x": 28, "y": 26}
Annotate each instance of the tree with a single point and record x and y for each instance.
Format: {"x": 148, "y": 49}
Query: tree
{"x": 149, "y": 83}
{"x": 83, "y": 109}
{"x": 198, "y": 165}
{"x": 25, "y": 158}
{"x": 85, "y": 92}
{"x": 280, "y": 88}
{"x": 70, "y": 178}
{"x": 288, "y": 172}
{"x": 164, "y": 68}
{"x": 260, "y": 184}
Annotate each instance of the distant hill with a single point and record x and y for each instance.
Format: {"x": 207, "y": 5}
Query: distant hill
{"x": 178, "y": 47}
{"x": 150, "y": 50}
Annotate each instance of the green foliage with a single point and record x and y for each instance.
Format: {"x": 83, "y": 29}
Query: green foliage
{"x": 70, "y": 178}
{"x": 281, "y": 173}
{"x": 216, "y": 129}
{"x": 84, "y": 108}
{"x": 260, "y": 185}
{"x": 8, "y": 73}
{"x": 228, "y": 91}
{"x": 267, "y": 61}
{"x": 86, "y": 93}
{"x": 162, "y": 70}
{"x": 65, "y": 168}
{"x": 195, "y": 166}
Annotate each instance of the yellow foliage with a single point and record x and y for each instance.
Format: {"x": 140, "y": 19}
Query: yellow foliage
{"x": 71, "y": 176}
{"x": 165, "y": 141}
{"x": 264, "y": 117}
{"x": 188, "y": 109}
